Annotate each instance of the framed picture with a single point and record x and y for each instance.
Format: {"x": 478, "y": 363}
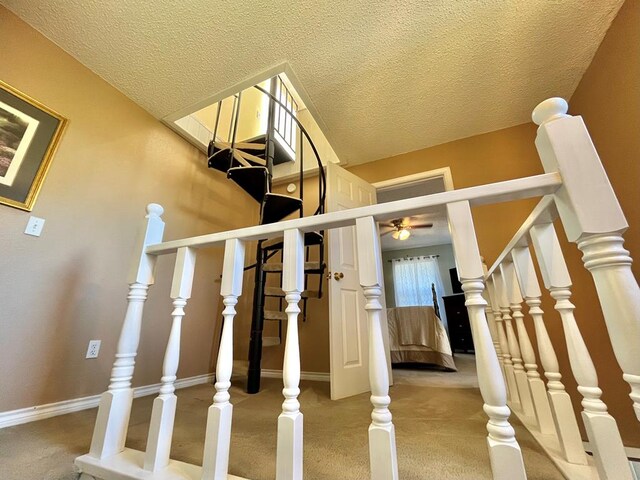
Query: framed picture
{"x": 29, "y": 136}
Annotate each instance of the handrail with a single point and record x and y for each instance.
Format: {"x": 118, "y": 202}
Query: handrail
{"x": 323, "y": 190}
{"x": 527, "y": 187}
{"x": 544, "y": 212}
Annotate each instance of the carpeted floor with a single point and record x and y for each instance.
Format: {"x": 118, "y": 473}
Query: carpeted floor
{"x": 465, "y": 377}
{"x": 440, "y": 435}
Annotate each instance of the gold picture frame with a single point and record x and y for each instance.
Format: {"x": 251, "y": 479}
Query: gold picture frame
{"x": 29, "y": 136}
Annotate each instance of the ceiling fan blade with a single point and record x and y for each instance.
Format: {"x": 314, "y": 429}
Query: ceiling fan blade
{"x": 422, "y": 225}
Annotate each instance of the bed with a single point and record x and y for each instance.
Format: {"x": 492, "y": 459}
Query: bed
{"x": 418, "y": 336}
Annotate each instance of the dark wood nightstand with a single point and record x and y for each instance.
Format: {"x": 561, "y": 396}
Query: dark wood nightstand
{"x": 458, "y": 321}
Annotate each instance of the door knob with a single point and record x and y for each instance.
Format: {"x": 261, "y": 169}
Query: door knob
{"x": 338, "y": 275}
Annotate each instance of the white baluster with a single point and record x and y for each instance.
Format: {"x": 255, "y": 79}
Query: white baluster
{"x": 601, "y": 427}
{"x": 522, "y": 384}
{"x": 526, "y": 348}
{"x": 592, "y": 217}
{"x": 526, "y": 399}
{"x": 493, "y": 328}
{"x": 215, "y": 463}
{"x": 164, "y": 406}
{"x": 563, "y": 416}
{"x": 110, "y": 430}
{"x": 382, "y": 440}
{"x": 507, "y": 365}
{"x": 536, "y": 385}
{"x": 289, "y": 449}
{"x": 504, "y": 451}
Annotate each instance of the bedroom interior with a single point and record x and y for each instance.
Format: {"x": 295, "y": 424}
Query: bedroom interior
{"x": 422, "y": 292}
{"x": 121, "y": 157}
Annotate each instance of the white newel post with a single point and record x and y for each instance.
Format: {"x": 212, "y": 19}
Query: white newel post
{"x": 503, "y": 354}
{"x": 592, "y": 218}
{"x": 522, "y": 401}
{"x": 536, "y": 386}
{"x": 110, "y": 431}
{"x": 215, "y": 461}
{"x": 563, "y": 415}
{"x": 382, "y": 440}
{"x": 504, "y": 451}
{"x": 289, "y": 448}
{"x": 164, "y": 406}
{"x": 601, "y": 427}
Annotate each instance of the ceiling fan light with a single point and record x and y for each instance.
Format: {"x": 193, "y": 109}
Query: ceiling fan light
{"x": 403, "y": 234}
{"x": 395, "y": 234}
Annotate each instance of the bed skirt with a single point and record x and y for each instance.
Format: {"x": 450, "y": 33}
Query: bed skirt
{"x": 434, "y": 358}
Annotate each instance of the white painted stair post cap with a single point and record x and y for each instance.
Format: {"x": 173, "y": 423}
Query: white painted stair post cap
{"x": 155, "y": 210}
{"x": 550, "y": 109}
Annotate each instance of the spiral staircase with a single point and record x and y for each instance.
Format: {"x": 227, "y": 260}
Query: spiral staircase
{"x": 249, "y": 163}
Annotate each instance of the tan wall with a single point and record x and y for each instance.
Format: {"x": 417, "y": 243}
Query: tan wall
{"x": 69, "y": 286}
{"x": 608, "y": 97}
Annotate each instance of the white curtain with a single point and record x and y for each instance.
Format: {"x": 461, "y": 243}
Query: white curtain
{"x": 412, "y": 280}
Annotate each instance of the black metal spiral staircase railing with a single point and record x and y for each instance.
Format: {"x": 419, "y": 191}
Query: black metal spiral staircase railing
{"x": 250, "y": 164}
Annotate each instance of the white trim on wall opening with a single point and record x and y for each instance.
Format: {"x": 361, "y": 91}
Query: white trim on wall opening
{"x": 407, "y": 180}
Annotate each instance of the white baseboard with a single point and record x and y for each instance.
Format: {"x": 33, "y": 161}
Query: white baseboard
{"x": 40, "y": 412}
{"x": 313, "y": 376}
{"x": 240, "y": 369}
{"x": 633, "y": 454}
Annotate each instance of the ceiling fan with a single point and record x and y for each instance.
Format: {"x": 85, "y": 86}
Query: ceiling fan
{"x": 400, "y": 229}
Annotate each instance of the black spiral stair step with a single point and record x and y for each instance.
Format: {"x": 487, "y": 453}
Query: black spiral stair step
{"x": 278, "y": 292}
{"x": 277, "y": 243}
{"x": 276, "y": 206}
{"x": 309, "y": 267}
{"x": 224, "y": 158}
{"x": 252, "y": 180}
{"x": 280, "y": 154}
{"x": 220, "y": 159}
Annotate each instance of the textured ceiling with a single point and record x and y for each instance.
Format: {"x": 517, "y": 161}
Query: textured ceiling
{"x": 385, "y": 76}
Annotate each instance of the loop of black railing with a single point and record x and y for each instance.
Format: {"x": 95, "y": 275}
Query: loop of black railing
{"x": 323, "y": 182}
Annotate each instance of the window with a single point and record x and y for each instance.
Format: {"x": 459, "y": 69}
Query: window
{"x": 284, "y": 127}
{"x": 412, "y": 280}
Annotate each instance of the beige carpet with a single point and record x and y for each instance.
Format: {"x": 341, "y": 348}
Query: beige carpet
{"x": 465, "y": 377}
{"x": 440, "y": 435}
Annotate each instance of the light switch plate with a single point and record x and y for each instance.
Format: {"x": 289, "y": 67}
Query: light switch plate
{"x": 34, "y": 226}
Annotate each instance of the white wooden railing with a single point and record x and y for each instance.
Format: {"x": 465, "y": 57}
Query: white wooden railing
{"x": 575, "y": 189}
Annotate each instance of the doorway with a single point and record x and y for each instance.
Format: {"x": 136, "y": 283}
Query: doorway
{"x": 348, "y": 327}
{"x": 430, "y": 338}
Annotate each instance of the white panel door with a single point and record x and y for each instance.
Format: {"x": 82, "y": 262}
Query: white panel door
{"x": 348, "y": 325}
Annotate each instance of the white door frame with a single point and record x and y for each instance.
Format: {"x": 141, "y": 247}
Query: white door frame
{"x": 392, "y": 183}
{"x": 408, "y": 180}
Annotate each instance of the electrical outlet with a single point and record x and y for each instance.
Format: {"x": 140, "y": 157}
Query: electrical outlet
{"x": 94, "y": 348}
